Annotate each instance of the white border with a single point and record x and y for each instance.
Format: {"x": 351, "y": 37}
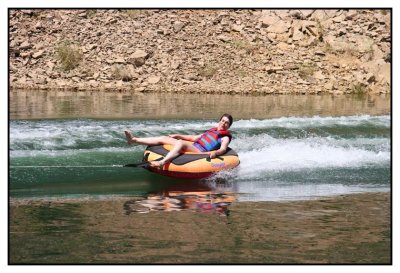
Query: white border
{"x": 5, "y": 4}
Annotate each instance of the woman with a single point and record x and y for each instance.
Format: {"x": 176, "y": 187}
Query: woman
{"x": 215, "y": 141}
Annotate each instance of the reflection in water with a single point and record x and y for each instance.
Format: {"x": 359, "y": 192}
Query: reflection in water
{"x": 69, "y": 104}
{"x": 202, "y": 198}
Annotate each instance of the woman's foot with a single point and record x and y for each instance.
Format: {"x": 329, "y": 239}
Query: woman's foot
{"x": 157, "y": 164}
{"x": 129, "y": 137}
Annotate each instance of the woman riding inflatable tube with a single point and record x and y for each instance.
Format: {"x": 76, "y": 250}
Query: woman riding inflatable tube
{"x": 215, "y": 141}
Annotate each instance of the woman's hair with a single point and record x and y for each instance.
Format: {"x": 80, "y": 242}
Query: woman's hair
{"x": 229, "y": 117}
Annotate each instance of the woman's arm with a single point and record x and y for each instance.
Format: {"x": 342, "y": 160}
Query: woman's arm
{"x": 192, "y": 138}
{"x": 222, "y": 149}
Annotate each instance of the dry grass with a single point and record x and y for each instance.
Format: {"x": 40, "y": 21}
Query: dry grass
{"x": 207, "y": 71}
{"x": 120, "y": 72}
{"x": 244, "y": 45}
{"x": 359, "y": 88}
{"x": 68, "y": 55}
{"x": 136, "y": 13}
{"x": 307, "y": 70}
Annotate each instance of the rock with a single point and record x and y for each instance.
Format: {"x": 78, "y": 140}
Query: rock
{"x": 237, "y": 28}
{"x": 375, "y": 89}
{"x": 311, "y": 30}
{"x": 61, "y": 82}
{"x": 282, "y": 14}
{"x": 296, "y": 14}
{"x": 370, "y": 78}
{"x": 192, "y": 77}
{"x": 328, "y": 86}
{"x": 134, "y": 75}
{"x": 25, "y": 45}
{"x": 175, "y": 65}
{"x": 119, "y": 84}
{"x": 153, "y": 79}
{"x": 339, "y": 19}
{"x": 267, "y": 19}
{"x": 12, "y": 68}
{"x": 140, "y": 89}
{"x": 383, "y": 73}
{"x": 224, "y": 38}
{"x": 91, "y": 46}
{"x": 275, "y": 69}
{"x": 319, "y": 75}
{"x": 297, "y": 35}
{"x": 319, "y": 53}
{"x": 13, "y": 44}
{"x": 185, "y": 81}
{"x": 38, "y": 25}
{"x": 358, "y": 76}
{"x": 39, "y": 46}
{"x": 138, "y": 58}
{"x": 380, "y": 69}
{"x": 279, "y": 27}
{"x": 350, "y": 14}
{"x": 336, "y": 43}
{"x": 40, "y": 80}
{"x": 307, "y": 13}
{"x": 27, "y": 12}
{"x": 25, "y": 54}
{"x": 38, "y": 54}
{"x": 332, "y": 12}
{"x": 112, "y": 21}
{"x": 178, "y": 26}
{"x": 319, "y": 15}
{"x": 306, "y": 24}
{"x": 119, "y": 60}
{"x": 339, "y": 42}
{"x": 283, "y": 46}
{"x": 272, "y": 37}
{"x": 13, "y": 78}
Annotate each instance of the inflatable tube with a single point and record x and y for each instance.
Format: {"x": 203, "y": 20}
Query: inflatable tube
{"x": 190, "y": 165}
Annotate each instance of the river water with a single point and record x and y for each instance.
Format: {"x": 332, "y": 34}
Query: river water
{"x": 72, "y": 145}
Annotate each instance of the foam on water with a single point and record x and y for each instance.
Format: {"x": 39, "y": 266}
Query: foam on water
{"x": 258, "y": 151}
{"x": 69, "y": 153}
{"x": 294, "y": 154}
{"x": 316, "y": 121}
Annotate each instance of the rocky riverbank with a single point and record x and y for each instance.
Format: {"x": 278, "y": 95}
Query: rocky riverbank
{"x": 245, "y": 51}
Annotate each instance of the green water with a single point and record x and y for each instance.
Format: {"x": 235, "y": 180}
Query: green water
{"x": 79, "y": 152}
{"x": 73, "y": 202}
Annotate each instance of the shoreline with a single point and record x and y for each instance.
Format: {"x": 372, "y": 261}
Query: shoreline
{"x": 212, "y": 89}
{"x": 194, "y": 90}
{"x": 346, "y": 229}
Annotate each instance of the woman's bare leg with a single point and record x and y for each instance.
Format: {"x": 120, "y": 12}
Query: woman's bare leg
{"x": 150, "y": 140}
{"x": 178, "y": 146}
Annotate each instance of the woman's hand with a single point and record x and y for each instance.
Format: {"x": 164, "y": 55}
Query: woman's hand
{"x": 175, "y": 136}
{"x": 192, "y": 138}
{"x": 213, "y": 154}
